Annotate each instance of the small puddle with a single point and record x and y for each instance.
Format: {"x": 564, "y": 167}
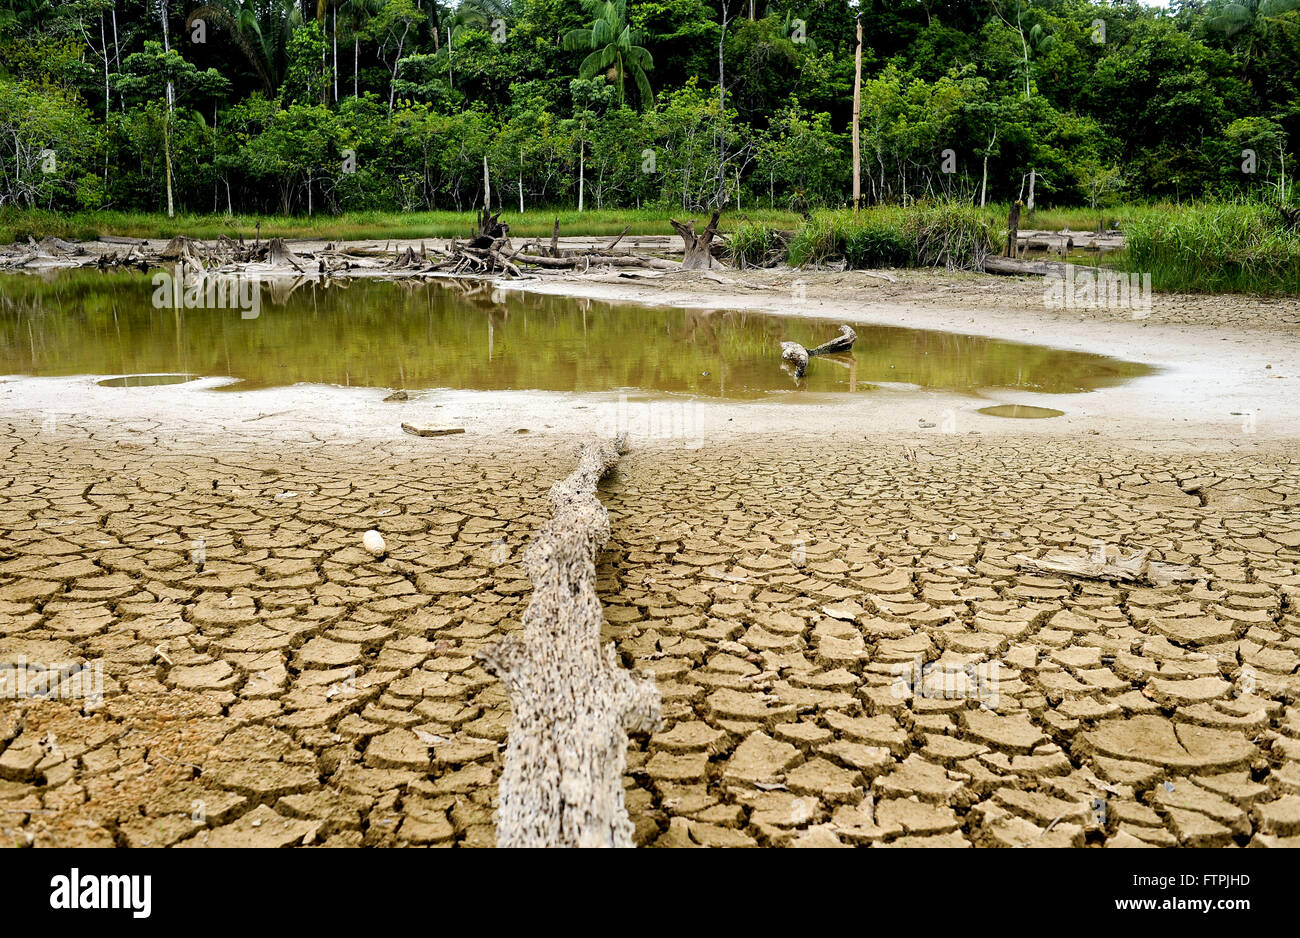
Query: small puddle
{"x": 1023, "y": 411}
{"x": 144, "y": 381}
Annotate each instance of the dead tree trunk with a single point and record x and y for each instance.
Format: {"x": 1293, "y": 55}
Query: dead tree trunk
{"x": 490, "y": 230}
{"x": 571, "y": 705}
{"x": 1013, "y": 227}
{"x": 697, "y": 255}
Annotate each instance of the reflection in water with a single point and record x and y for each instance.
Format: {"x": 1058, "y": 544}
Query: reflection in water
{"x": 144, "y": 381}
{"x": 445, "y": 334}
{"x": 1022, "y": 411}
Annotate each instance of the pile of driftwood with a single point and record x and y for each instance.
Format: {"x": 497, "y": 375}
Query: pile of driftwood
{"x": 46, "y": 252}
{"x": 490, "y": 251}
{"x": 136, "y": 252}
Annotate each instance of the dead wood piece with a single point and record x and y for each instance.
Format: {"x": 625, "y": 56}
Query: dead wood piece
{"x": 609, "y": 247}
{"x": 697, "y": 253}
{"x": 1135, "y": 568}
{"x": 571, "y": 705}
{"x": 584, "y": 261}
{"x": 796, "y": 356}
{"x": 490, "y": 228}
{"x": 1019, "y": 268}
{"x": 278, "y": 252}
{"x": 842, "y": 343}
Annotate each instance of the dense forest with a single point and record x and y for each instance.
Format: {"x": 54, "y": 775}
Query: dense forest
{"x": 321, "y": 106}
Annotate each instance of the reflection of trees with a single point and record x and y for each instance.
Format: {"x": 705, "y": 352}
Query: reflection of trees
{"x": 447, "y": 334}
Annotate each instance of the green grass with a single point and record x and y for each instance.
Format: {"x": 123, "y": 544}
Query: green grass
{"x": 941, "y": 234}
{"x": 1215, "y": 248}
{"x": 18, "y": 225}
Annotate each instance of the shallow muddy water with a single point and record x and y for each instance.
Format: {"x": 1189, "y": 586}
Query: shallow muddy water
{"x": 1021, "y": 411}
{"x": 445, "y": 334}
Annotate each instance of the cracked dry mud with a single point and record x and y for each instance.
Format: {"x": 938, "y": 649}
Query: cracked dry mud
{"x": 292, "y": 689}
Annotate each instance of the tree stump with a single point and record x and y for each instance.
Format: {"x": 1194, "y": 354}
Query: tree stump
{"x": 571, "y": 705}
{"x": 490, "y": 229}
{"x": 1013, "y": 228}
{"x": 698, "y": 256}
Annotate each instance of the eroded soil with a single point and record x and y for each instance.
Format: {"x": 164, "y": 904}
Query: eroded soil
{"x": 268, "y": 682}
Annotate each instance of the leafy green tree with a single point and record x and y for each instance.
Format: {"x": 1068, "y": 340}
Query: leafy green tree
{"x": 151, "y": 76}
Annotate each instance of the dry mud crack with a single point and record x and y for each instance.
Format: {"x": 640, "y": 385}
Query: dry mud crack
{"x": 846, "y": 652}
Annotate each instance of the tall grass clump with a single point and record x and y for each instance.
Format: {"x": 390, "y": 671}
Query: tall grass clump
{"x": 755, "y": 245}
{"x": 1216, "y": 248}
{"x": 953, "y": 235}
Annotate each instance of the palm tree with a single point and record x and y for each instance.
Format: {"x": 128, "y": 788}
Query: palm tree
{"x": 615, "y": 45}
{"x": 260, "y": 29}
{"x": 1245, "y": 23}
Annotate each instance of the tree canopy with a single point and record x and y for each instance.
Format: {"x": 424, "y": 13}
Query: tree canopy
{"x": 305, "y": 106}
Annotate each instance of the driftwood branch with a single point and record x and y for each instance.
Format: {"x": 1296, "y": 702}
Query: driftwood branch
{"x": 572, "y": 706}
{"x": 842, "y": 343}
{"x": 796, "y": 356}
{"x": 1135, "y": 568}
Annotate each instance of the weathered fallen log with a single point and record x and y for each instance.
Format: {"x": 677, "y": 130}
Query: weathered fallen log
{"x": 571, "y": 705}
{"x": 1019, "y": 268}
{"x": 842, "y": 343}
{"x": 1135, "y": 568}
{"x": 596, "y": 260}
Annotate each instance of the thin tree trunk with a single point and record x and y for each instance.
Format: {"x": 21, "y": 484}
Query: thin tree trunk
{"x": 857, "y": 117}
{"x": 487, "y": 186}
{"x": 722, "y": 109}
{"x": 117, "y": 57}
{"x": 334, "y": 30}
{"x": 103, "y": 41}
{"x": 356, "y": 66}
{"x": 167, "y": 149}
{"x": 397, "y": 61}
{"x": 985, "y": 181}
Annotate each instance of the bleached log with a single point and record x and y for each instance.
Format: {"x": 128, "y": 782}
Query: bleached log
{"x": 1135, "y": 568}
{"x": 572, "y": 706}
{"x": 841, "y": 343}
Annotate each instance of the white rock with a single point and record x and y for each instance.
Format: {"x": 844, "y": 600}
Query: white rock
{"x": 373, "y": 541}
